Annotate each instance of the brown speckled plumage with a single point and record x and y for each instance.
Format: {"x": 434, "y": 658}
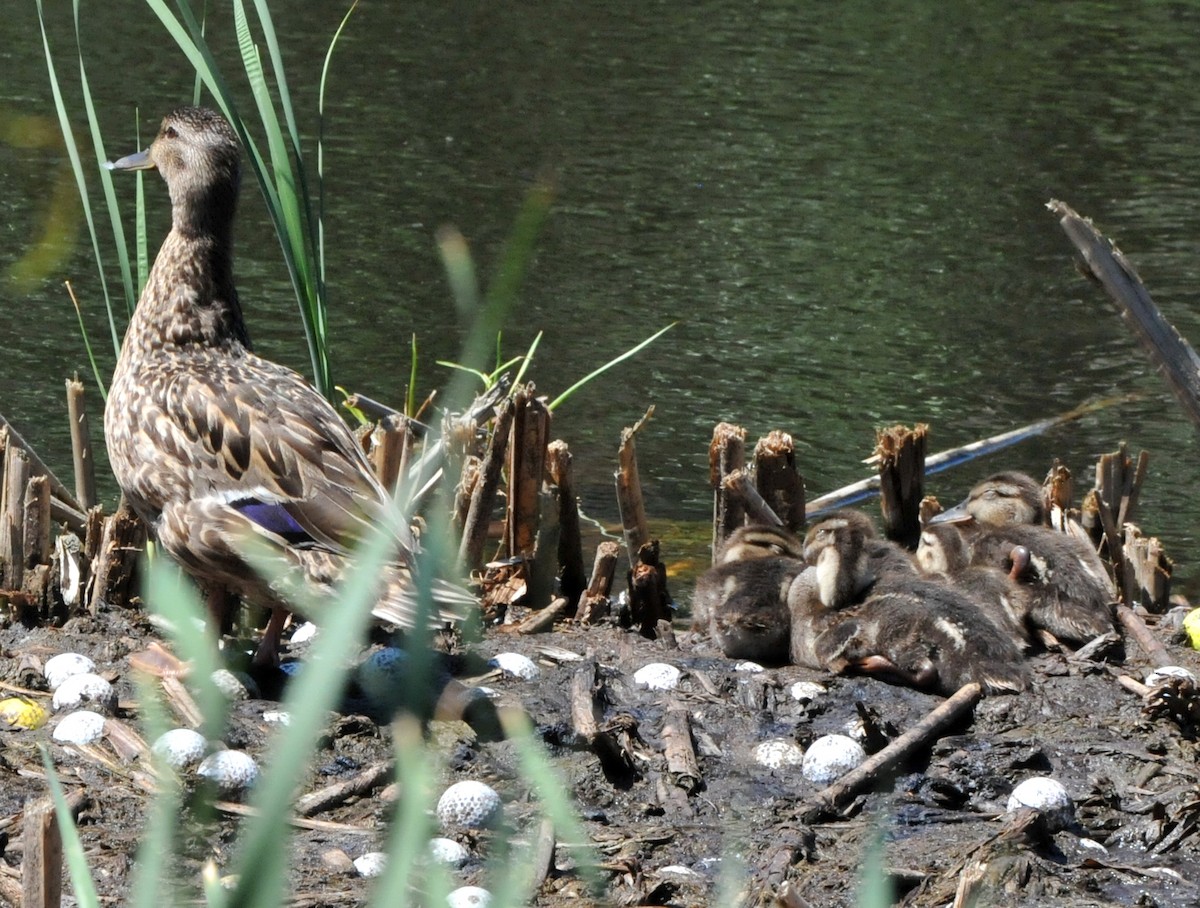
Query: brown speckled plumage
{"x": 201, "y": 431}
{"x": 1071, "y": 594}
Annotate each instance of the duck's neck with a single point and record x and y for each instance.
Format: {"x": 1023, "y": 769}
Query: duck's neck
{"x": 190, "y": 300}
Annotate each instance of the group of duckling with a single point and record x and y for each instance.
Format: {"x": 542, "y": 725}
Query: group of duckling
{"x": 989, "y": 579}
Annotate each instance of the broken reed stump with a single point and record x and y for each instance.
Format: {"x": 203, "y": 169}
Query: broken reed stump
{"x": 594, "y": 602}
{"x": 526, "y": 467}
{"x": 726, "y": 453}
{"x": 1058, "y": 489}
{"x": 390, "y": 446}
{"x": 629, "y": 490}
{"x": 572, "y": 580}
{"x": 81, "y": 445}
{"x": 649, "y": 601}
{"x": 777, "y": 479}
{"x": 483, "y": 495}
{"x": 1146, "y": 578}
{"x": 901, "y": 453}
{"x": 115, "y": 564}
{"x": 1118, "y": 487}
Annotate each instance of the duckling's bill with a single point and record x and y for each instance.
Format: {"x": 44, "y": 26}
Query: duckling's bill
{"x": 139, "y": 160}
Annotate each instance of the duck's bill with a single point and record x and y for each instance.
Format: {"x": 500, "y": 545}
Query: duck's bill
{"x": 139, "y": 160}
{"x": 957, "y": 514}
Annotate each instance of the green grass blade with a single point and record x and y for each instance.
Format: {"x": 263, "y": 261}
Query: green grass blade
{"x": 110, "y": 195}
{"x": 154, "y": 884}
{"x": 321, "y": 148}
{"x": 526, "y": 360}
{"x": 87, "y": 345}
{"x": 562, "y": 398}
{"x": 81, "y": 876}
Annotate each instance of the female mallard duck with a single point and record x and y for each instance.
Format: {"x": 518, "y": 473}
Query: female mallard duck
{"x": 864, "y": 608}
{"x": 215, "y": 447}
{"x": 742, "y": 599}
{"x": 1072, "y": 596}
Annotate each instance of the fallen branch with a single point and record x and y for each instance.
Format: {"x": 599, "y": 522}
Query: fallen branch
{"x": 1150, "y": 644}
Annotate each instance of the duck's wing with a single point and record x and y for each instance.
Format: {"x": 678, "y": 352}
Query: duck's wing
{"x": 257, "y": 437}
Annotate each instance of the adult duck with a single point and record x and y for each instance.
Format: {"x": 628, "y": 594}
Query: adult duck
{"x": 1072, "y": 595}
{"x": 214, "y": 446}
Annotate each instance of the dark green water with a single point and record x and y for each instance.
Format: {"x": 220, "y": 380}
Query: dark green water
{"x": 842, "y": 205}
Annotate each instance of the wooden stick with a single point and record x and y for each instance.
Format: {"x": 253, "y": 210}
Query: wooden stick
{"x": 830, "y": 800}
{"x": 543, "y": 619}
{"x": 337, "y": 794}
{"x": 679, "y": 751}
{"x": 586, "y": 711}
{"x": 541, "y": 859}
{"x": 1168, "y": 349}
{"x": 81, "y": 445}
{"x": 470, "y": 552}
{"x": 1149, "y": 644}
{"x": 756, "y": 508}
{"x": 629, "y": 490}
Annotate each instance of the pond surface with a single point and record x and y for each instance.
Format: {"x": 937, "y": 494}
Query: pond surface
{"x": 841, "y": 207}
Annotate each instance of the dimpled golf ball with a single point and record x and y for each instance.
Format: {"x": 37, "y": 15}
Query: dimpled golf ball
{"x": 370, "y": 864}
{"x": 1048, "y": 797}
{"x": 85, "y": 690}
{"x": 469, "y": 897}
{"x": 180, "y": 747}
{"x": 830, "y": 757}
{"x": 448, "y": 851}
{"x": 471, "y": 804}
{"x": 80, "y": 727}
{"x": 61, "y": 667}
{"x": 515, "y": 664}
{"x": 657, "y": 676}
{"x": 230, "y": 770}
{"x": 777, "y": 752}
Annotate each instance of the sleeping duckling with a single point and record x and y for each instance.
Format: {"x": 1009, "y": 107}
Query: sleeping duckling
{"x": 742, "y": 599}
{"x": 943, "y": 554}
{"x": 864, "y": 608}
{"x": 1071, "y": 594}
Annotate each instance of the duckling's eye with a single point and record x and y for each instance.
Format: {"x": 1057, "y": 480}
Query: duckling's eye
{"x": 170, "y": 132}
{"x": 990, "y": 493}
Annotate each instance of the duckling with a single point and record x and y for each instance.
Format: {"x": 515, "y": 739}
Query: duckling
{"x": 1071, "y": 594}
{"x": 214, "y": 446}
{"x": 742, "y": 599}
{"x": 864, "y": 608}
{"x": 943, "y": 553}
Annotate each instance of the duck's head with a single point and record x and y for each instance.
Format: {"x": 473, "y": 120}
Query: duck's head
{"x": 759, "y": 541}
{"x": 197, "y": 153}
{"x": 836, "y": 546}
{"x": 1006, "y": 499}
{"x": 942, "y": 550}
